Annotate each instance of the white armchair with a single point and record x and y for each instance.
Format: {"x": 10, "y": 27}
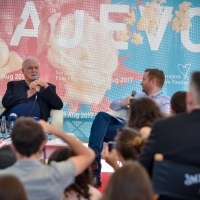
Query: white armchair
{"x": 56, "y": 116}
{"x": 119, "y": 113}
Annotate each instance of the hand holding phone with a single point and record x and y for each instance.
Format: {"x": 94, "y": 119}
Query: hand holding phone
{"x": 111, "y": 145}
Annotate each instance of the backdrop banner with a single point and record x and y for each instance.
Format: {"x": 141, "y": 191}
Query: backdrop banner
{"x": 96, "y": 51}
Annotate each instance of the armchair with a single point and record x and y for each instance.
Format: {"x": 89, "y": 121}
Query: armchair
{"x": 56, "y": 116}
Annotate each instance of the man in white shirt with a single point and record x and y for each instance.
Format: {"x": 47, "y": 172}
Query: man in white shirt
{"x": 104, "y": 126}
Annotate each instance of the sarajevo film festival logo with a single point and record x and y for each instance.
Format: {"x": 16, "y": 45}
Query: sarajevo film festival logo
{"x": 184, "y": 70}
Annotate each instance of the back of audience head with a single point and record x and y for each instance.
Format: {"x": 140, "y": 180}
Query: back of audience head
{"x": 7, "y": 157}
{"x": 143, "y": 112}
{"x": 11, "y": 188}
{"x": 130, "y": 182}
{"x": 129, "y": 143}
{"x": 82, "y": 181}
{"x": 27, "y": 137}
{"x": 193, "y": 94}
{"x": 178, "y": 102}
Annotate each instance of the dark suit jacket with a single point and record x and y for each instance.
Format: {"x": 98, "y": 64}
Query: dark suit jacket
{"x": 177, "y": 138}
{"x": 16, "y": 93}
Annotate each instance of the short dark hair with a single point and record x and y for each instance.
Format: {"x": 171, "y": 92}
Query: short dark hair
{"x": 158, "y": 74}
{"x": 7, "y": 156}
{"x": 178, "y": 102}
{"x": 195, "y": 84}
{"x": 27, "y": 136}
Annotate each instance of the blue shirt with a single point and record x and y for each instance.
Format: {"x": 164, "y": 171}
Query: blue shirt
{"x": 162, "y": 100}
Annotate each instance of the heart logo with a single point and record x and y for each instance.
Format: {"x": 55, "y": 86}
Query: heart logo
{"x": 184, "y": 70}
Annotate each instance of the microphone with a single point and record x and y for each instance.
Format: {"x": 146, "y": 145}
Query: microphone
{"x": 11, "y": 120}
{"x": 133, "y": 93}
{"x": 35, "y": 77}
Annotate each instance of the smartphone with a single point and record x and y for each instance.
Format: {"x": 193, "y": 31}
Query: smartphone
{"x": 111, "y": 145}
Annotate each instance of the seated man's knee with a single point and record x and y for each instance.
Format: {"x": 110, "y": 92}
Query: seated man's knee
{"x": 102, "y": 114}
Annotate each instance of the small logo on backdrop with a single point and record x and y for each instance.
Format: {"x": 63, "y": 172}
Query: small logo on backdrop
{"x": 184, "y": 70}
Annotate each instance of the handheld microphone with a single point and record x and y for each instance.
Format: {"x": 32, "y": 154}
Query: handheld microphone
{"x": 35, "y": 77}
{"x": 11, "y": 119}
{"x": 133, "y": 93}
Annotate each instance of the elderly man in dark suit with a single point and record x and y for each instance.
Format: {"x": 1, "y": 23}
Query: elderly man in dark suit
{"x": 31, "y": 97}
{"x": 177, "y": 138}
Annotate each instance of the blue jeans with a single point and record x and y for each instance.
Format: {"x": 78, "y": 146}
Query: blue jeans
{"x": 103, "y": 129}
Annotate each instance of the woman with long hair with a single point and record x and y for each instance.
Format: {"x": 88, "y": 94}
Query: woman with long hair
{"x": 81, "y": 189}
{"x": 143, "y": 112}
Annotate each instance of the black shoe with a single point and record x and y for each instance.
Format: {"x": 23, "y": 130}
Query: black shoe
{"x": 96, "y": 182}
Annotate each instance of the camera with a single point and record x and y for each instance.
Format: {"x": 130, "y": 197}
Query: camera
{"x": 111, "y": 145}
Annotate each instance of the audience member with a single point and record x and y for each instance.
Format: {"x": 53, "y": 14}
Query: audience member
{"x": 31, "y": 97}
{"x": 81, "y": 189}
{"x": 129, "y": 144}
{"x": 178, "y": 102}
{"x": 104, "y": 126}
{"x": 143, "y": 112}
{"x": 44, "y": 181}
{"x": 11, "y": 189}
{"x": 7, "y": 157}
{"x": 130, "y": 182}
{"x": 177, "y": 138}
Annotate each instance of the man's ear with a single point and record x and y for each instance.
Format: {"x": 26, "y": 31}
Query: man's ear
{"x": 42, "y": 145}
{"x": 22, "y": 70}
{"x": 172, "y": 111}
{"x": 13, "y": 147}
{"x": 189, "y": 98}
{"x": 154, "y": 81}
{"x": 189, "y": 101}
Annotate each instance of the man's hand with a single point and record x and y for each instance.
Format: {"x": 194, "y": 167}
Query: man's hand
{"x": 32, "y": 91}
{"x": 126, "y": 102}
{"x": 37, "y": 83}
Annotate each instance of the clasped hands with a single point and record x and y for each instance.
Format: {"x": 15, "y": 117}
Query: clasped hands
{"x": 35, "y": 87}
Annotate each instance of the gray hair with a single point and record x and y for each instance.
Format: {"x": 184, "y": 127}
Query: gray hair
{"x": 29, "y": 58}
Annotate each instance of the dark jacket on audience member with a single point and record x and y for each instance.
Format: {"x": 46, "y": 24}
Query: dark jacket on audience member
{"x": 177, "y": 138}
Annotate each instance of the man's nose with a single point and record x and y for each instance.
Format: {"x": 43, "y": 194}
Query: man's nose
{"x": 34, "y": 70}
